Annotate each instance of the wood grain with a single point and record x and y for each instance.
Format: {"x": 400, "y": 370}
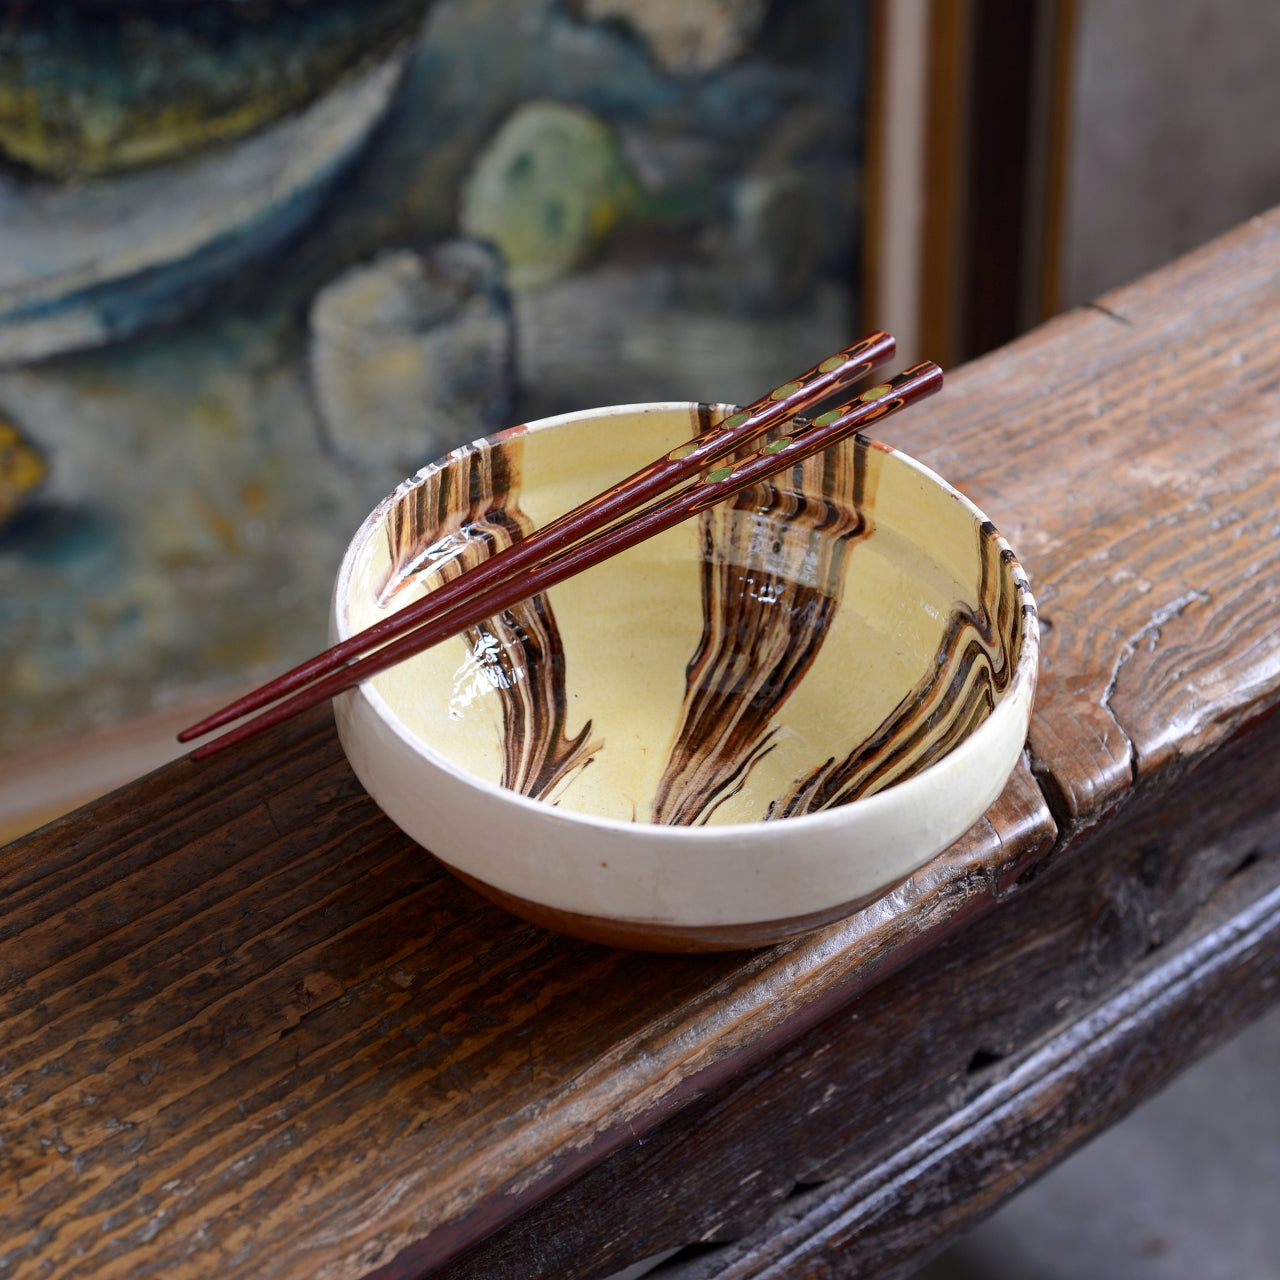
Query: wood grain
{"x": 247, "y": 1027}
{"x": 885, "y": 1129}
{"x": 245, "y": 1020}
{"x": 887, "y": 1223}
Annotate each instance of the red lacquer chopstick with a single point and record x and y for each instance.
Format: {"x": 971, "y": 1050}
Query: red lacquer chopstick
{"x": 817, "y": 384}
{"x": 810, "y": 388}
{"x": 713, "y": 485}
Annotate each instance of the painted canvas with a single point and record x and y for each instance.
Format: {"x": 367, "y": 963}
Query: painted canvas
{"x": 261, "y": 259}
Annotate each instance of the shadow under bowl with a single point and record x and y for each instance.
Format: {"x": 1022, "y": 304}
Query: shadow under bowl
{"x": 734, "y": 733}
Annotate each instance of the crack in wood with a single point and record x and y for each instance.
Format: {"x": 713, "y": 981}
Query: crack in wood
{"x": 1111, "y": 315}
{"x": 1151, "y": 630}
{"x": 1037, "y": 1086}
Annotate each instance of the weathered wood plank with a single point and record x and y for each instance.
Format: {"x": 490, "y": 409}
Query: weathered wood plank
{"x": 885, "y": 1224}
{"x": 1129, "y": 453}
{"x": 245, "y": 1019}
{"x": 938, "y": 1092}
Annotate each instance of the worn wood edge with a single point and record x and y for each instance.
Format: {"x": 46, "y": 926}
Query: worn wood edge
{"x": 1229, "y": 260}
{"x": 1237, "y": 250}
{"x": 753, "y": 1010}
{"x": 625, "y": 1124}
{"x": 793, "y": 988}
{"x": 1218, "y": 981}
{"x": 1172, "y": 307}
{"x": 111, "y": 821}
{"x": 57, "y": 777}
{"x": 1108, "y": 905}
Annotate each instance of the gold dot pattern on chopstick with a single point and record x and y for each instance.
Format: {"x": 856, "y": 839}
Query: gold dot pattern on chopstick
{"x": 832, "y": 364}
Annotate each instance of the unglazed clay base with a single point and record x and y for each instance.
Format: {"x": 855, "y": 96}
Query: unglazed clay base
{"x": 654, "y": 935}
{"x": 767, "y": 715}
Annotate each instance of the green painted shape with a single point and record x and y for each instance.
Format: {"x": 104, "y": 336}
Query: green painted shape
{"x": 547, "y": 190}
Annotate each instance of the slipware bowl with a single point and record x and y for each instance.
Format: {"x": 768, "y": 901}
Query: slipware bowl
{"x": 745, "y": 728}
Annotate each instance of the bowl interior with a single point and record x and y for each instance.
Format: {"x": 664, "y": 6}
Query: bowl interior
{"x": 813, "y": 641}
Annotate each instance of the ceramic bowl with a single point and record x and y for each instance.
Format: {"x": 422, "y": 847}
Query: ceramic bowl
{"x": 745, "y": 728}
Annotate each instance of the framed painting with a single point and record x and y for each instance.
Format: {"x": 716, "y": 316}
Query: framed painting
{"x": 260, "y": 261}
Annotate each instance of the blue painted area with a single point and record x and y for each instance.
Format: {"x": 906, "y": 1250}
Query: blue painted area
{"x": 166, "y": 293}
{"x": 61, "y": 538}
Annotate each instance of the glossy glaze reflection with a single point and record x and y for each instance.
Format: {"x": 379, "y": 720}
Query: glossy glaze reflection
{"x": 787, "y": 652}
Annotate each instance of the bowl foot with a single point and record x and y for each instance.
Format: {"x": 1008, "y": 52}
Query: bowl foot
{"x": 657, "y": 935}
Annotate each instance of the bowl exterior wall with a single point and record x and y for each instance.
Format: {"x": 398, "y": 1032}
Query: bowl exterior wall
{"x": 704, "y": 876}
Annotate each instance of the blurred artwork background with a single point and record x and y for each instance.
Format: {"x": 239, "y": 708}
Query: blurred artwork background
{"x": 260, "y": 259}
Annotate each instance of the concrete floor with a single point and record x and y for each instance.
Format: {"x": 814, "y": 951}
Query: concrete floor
{"x": 1186, "y": 1188}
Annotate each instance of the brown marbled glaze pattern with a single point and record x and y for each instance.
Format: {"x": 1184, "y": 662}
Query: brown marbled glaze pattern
{"x": 428, "y": 517}
{"x": 773, "y": 569}
{"x": 455, "y": 518}
{"x": 957, "y": 693}
{"x": 773, "y": 563}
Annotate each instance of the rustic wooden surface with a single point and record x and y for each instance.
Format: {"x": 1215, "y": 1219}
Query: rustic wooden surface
{"x": 248, "y": 1024}
{"x": 1130, "y": 452}
{"x": 246, "y": 1027}
{"x": 869, "y": 1141}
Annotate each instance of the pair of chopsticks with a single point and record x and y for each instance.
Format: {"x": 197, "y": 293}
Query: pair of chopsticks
{"x": 684, "y": 481}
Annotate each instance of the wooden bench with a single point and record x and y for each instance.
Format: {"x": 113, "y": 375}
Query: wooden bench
{"x": 247, "y": 1028}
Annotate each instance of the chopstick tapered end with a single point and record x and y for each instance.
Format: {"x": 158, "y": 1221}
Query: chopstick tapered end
{"x": 233, "y": 711}
{"x": 329, "y": 673}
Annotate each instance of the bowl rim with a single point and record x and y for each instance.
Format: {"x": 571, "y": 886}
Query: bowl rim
{"x": 986, "y": 735}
